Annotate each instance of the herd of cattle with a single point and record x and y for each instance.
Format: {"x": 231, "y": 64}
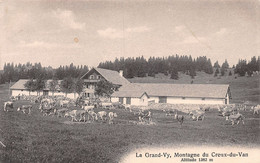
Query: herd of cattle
{"x": 89, "y": 109}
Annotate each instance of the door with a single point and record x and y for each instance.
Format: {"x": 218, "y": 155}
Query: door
{"x": 121, "y": 100}
{"x": 128, "y": 100}
{"x": 45, "y": 93}
{"x": 162, "y": 99}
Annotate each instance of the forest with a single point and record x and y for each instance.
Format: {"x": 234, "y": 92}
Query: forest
{"x": 132, "y": 67}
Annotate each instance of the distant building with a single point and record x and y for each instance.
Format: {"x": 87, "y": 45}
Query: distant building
{"x": 142, "y": 94}
{"x": 93, "y": 76}
{"x": 19, "y": 89}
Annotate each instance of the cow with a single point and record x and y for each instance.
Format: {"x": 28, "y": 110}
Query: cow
{"x": 61, "y": 111}
{"x": 93, "y": 115}
{"x": 106, "y": 105}
{"x": 88, "y": 108}
{"x": 74, "y": 113}
{"x": 236, "y": 117}
{"x": 47, "y": 109}
{"x": 111, "y": 116}
{"x": 64, "y": 103}
{"x": 23, "y": 108}
{"x": 9, "y": 104}
{"x": 180, "y": 118}
{"x": 102, "y": 115}
{"x": 256, "y": 109}
{"x": 168, "y": 112}
{"x": 146, "y": 114}
{"x": 198, "y": 115}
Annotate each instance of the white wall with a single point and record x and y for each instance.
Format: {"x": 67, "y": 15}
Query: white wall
{"x": 24, "y": 92}
{"x": 143, "y": 101}
{"x": 179, "y": 100}
{"x": 114, "y": 99}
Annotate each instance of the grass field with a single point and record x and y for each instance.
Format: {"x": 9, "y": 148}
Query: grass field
{"x": 37, "y": 138}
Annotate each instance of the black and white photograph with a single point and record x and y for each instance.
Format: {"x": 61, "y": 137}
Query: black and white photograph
{"x": 129, "y": 81}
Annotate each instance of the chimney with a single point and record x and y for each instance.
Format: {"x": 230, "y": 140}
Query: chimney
{"x": 121, "y": 73}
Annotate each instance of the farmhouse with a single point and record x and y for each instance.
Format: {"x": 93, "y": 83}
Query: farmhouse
{"x": 142, "y": 94}
{"x": 93, "y": 76}
{"x": 19, "y": 89}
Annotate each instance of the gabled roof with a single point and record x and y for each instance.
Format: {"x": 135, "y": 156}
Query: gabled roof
{"x": 19, "y": 85}
{"x": 133, "y": 93}
{"x": 110, "y": 75}
{"x": 178, "y": 90}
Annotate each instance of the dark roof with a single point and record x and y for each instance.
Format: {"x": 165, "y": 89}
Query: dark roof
{"x": 110, "y": 75}
{"x": 177, "y": 90}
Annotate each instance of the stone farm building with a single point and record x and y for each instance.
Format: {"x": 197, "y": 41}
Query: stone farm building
{"x": 93, "y": 76}
{"x": 19, "y": 88}
{"x": 143, "y": 93}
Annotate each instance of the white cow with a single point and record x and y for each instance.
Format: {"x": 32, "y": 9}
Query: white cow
{"x": 198, "y": 115}
{"x": 74, "y": 113}
{"x": 93, "y": 115}
{"x": 23, "y": 108}
{"x": 256, "y": 109}
{"x": 88, "y": 108}
{"x": 111, "y": 116}
{"x": 9, "y": 104}
{"x": 102, "y": 115}
{"x": 237, "y": 117}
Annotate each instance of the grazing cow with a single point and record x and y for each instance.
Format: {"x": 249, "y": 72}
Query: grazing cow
{"x": 23, "y": 108}
{"x": 146, "y": 114}
{"x": 47, "y": 109}
{"x": 61, "y": 111}
{"x": 102, "y": 115}
{"x": 111, "y": 116}
{"x": 9, "y": 104}
{"x": 237, "y": 117}
{"x": 256, "y": 109}
{"x": 168, "y": 112}
{"x": 106, "y": 105}
{"x": 74, "y": 113}
{"x": 93, "y": 115}
{"x": 180, "y": 118}
{"x": 64, "y": 103}
{"x": 198, "y": 116}
{"x": 88, "y": 108}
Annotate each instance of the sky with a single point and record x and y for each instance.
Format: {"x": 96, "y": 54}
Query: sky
{"x": 89, "y": 32}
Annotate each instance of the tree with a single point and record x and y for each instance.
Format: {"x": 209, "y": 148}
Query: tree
{"x": 67, "y": 85}
{"x": 174, "y": 74}
{"x": 230, "y": 73}
{"x": 53, "y": 86}
{"x": 216, "y": 72}
{"x": 222, "y": 71}
{"x": 216, "y": 65}
{"x": 39, "y": 85}
{"x": 30, "y": 85}
{"x": 104, "y": 88}
{"x": 78, "y": 86}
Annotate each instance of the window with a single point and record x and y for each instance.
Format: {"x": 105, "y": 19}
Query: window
{"x": 162, "y": 99}
{"x": 91, "y": 77}
{"x": 128, "y": 100}
{"x": 203, "y": 98}
{"x": 98, "y": 77}
{"x": 121, "y": 100}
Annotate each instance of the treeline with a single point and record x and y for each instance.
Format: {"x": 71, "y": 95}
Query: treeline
{"x": 243, "y": 68}
{"x": 140, "y": 67}
{"x": 15, "y": 72}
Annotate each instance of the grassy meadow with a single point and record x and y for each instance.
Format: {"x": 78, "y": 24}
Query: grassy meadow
{"x": 37, "y": 138}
